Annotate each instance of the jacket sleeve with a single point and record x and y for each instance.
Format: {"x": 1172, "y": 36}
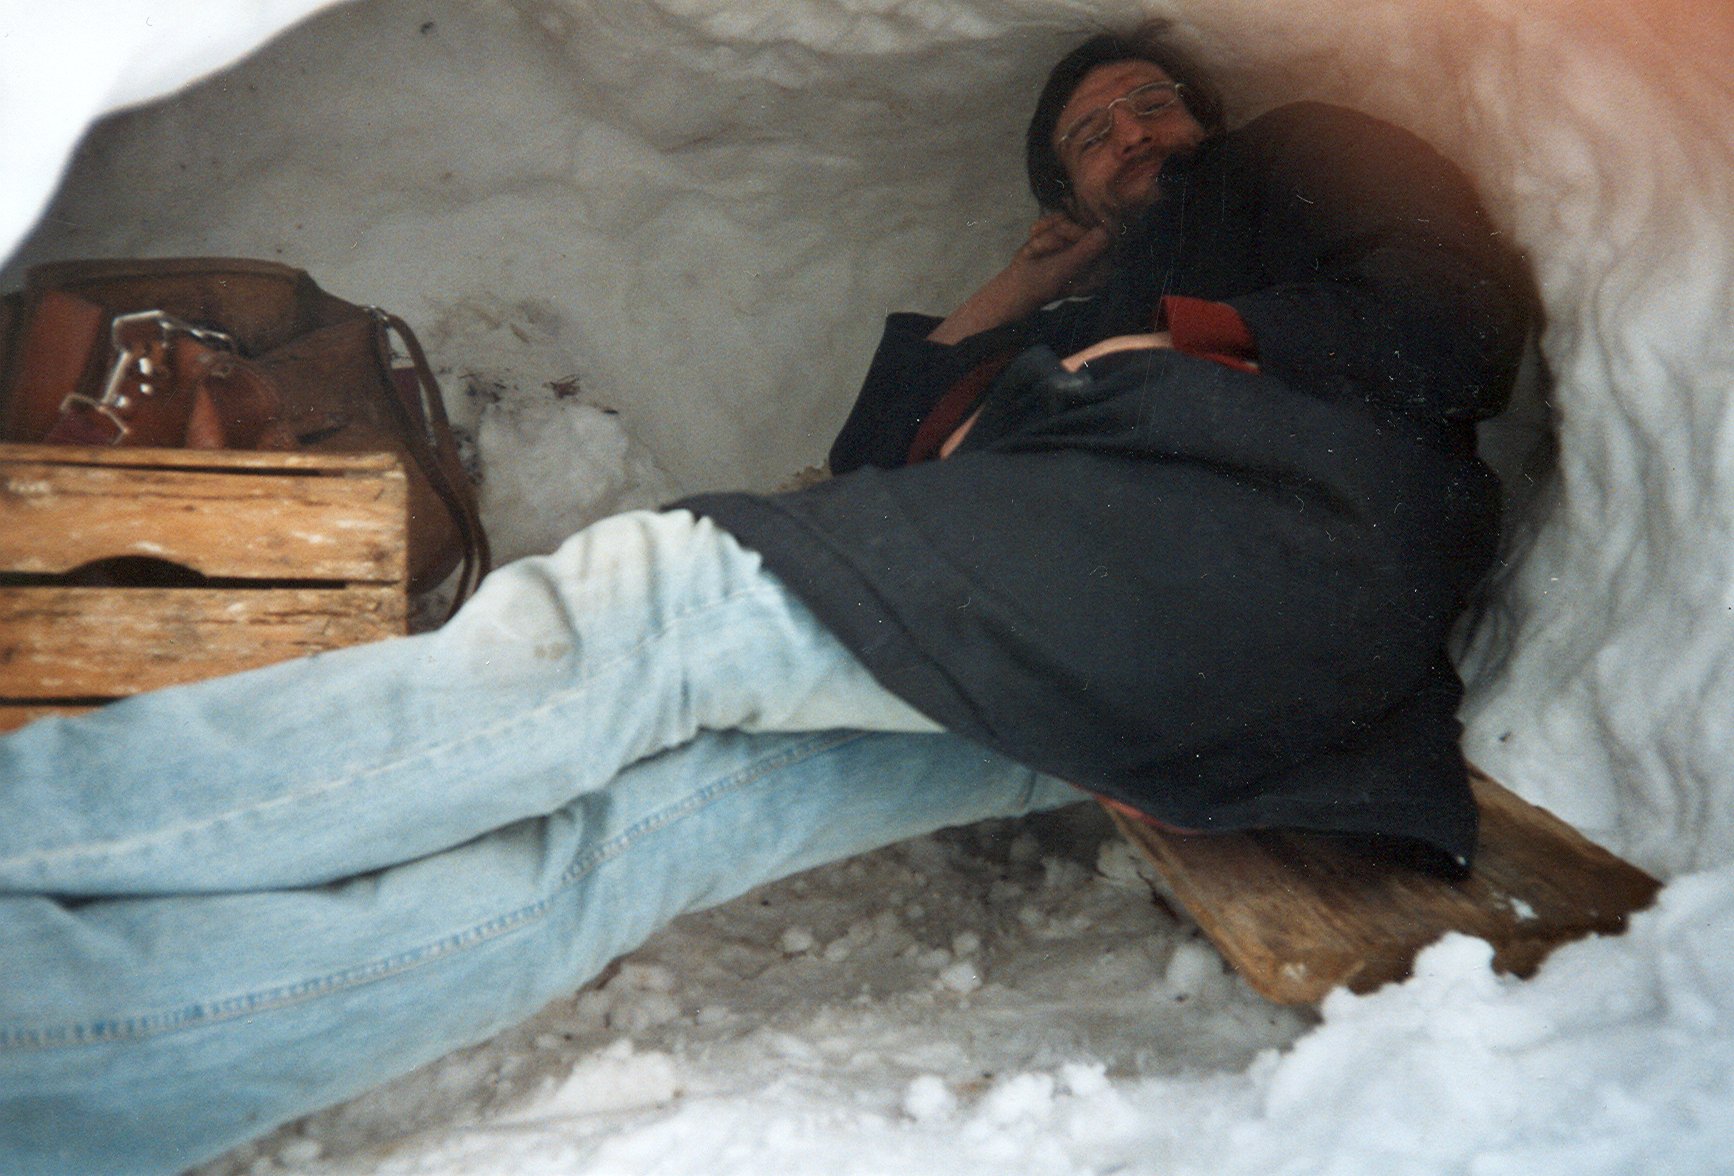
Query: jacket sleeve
{"x": 1385, "y": 277}
{"x": 908, "y": 376}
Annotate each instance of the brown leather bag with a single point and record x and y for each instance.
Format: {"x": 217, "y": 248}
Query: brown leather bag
{"x": 230, "y": 353}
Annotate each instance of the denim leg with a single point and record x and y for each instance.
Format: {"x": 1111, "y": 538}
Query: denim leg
{"x": 637, "y": 634}
{"x": 142, "y": 1035}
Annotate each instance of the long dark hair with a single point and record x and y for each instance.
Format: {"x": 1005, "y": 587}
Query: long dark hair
{"x": 1148, "y": 42}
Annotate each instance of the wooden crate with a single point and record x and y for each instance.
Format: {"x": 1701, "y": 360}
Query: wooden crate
{"x": 270, "y": 556}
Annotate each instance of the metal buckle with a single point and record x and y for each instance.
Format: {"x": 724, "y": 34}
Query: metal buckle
{"x": 107, "y": 412}
{"x": 132, "y": 353}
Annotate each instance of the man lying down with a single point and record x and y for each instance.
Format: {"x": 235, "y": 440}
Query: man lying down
{"x": 1177, "y": 509}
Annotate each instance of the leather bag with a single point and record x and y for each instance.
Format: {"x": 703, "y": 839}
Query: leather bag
{"x": 231, "y": 353}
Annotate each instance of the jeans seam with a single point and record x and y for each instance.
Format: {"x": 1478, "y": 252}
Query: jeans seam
{"x": 354, "y": 777}
{"x": 202, "y": 1014}
{"x": 657, "y": 821}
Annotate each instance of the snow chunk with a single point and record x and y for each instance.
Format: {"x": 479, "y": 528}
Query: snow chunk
{"x": 614, "y": 1079}
{"x": 1020, "y": 1096}
{"x": 795, "y": 940}
{"x": 962, "y": 977}
{"x": 1192, "y": 967}
{"x": 1084, "y": 1079}
{"x": 554, "y": 466}
{"x": 928, "y": 1097}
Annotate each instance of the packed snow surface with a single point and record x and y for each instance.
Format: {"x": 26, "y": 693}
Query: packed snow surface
{"x": 649, "y": 245}
{"x": 1008, "y": 999}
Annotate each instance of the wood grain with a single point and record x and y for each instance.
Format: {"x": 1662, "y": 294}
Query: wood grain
{"x": 1300, "y": 915}
{"x": 85, "y": 643}
{"x": 15, "y": 715}
{"x": 221, "y": 513}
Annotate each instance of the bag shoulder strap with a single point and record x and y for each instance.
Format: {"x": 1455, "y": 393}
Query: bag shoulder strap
{"x": 429, "y": 436}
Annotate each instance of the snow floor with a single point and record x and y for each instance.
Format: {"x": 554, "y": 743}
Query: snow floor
{"x": 937, "y": 1005}
{"x": 1009, "y": 999}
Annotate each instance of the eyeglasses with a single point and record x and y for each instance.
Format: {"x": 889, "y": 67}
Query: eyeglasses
{"x": 1144, "y": 102}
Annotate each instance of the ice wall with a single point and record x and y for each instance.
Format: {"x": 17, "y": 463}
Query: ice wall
{"x": 695, "y": 212}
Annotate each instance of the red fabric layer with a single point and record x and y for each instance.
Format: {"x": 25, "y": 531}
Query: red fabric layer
{"x": 1209, "y": 330}
{"x": 957, "y": 403}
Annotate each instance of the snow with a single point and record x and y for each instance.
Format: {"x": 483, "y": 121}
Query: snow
{"x": 1105, "y": 1036}
{"x": 802, "y": 1029}
{"x": 648, "y": 245}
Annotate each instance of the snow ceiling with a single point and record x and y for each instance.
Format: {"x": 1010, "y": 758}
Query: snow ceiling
{"x": 695, "y": 212}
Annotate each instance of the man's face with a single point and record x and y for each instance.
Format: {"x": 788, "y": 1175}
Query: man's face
{"x": 1114, "y": 175}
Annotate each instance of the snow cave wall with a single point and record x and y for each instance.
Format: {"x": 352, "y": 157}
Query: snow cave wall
{"x": 649, "y": 245}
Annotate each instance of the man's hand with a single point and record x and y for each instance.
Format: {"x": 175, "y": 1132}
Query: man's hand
{"x": 1056, "y": 259}
{"x": 1116, "y": 344}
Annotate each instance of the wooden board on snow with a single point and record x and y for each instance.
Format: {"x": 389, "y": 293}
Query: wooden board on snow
{"x": 1299, "y": 915}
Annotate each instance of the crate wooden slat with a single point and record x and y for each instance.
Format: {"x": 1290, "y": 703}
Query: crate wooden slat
{"x": 1299, "y": 915}
{"x": 219, "y": 512}
{"x": 61, "y": 642}
{"x": 287, "y": 554}
{"x": 143, "y": 457}
{"x": 15, "y": 715}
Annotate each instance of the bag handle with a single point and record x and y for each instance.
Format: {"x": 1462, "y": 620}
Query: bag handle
{"x": 429, "y": 437}
{"x": 144, "y": 344}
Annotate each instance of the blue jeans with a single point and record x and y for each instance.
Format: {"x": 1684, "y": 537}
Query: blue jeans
{"x": 225, "y": 905}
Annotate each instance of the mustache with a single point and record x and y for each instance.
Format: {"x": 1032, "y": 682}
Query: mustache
{"x": 1139, "y": 160}
{"x": 1160, "y": 153}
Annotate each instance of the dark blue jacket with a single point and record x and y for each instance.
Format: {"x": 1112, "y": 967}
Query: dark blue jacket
{"x": 1218, "y": 596}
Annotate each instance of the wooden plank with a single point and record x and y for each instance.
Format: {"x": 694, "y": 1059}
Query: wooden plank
{"x": 1299, "y": 915}
{"x": 81, "y": 643}
{"x": 265, "y": 460}
{"x": 15, "y": 715}
{"x": 235, "y": 516}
